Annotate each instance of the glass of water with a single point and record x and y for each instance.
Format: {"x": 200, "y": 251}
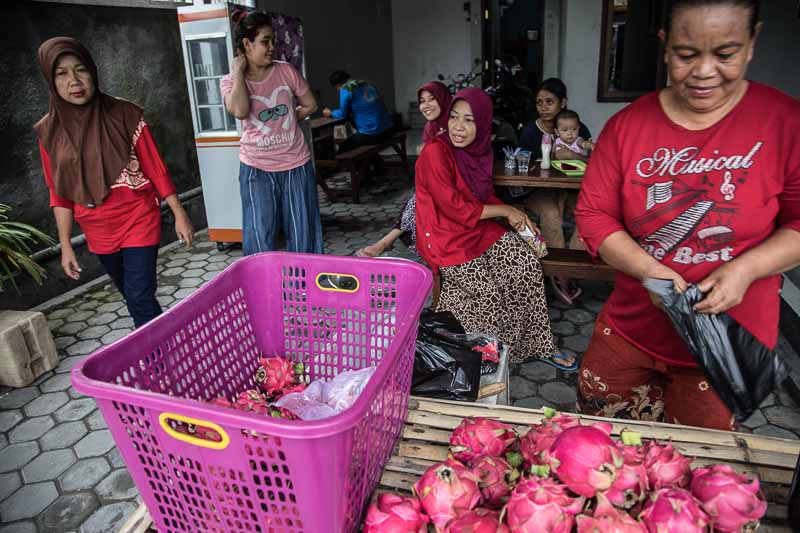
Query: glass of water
{"x": 510, "y": 166}
{"x": 523, "y": 160}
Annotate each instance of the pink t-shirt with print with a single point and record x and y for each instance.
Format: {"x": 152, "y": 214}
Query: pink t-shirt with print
{"x": 271, "y": 138}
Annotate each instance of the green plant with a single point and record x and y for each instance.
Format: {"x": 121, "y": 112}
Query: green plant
{"x": 16, "y": 240}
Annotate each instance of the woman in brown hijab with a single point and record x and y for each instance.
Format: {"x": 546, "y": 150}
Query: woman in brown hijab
{"x": 103, "y": 169}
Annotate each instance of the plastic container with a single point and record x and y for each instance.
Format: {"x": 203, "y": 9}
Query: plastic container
{"x": 264, "y": 474}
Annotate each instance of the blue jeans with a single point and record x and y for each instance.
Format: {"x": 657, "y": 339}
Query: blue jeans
{"x": 133, "y": 271}
{"x": 288, "y": 198}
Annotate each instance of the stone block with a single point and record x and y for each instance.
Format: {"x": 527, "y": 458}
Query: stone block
{"x": 68, "y": 512}
{"x": 28, "y": 501}
{"x": 27, "y": 348}
{"x": 84, "y": 474}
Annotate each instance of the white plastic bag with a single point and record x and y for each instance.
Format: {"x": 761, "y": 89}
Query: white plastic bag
{"x": 323, "y": 399}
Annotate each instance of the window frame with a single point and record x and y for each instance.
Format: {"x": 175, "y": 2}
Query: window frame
{"x": 606, "y": 35}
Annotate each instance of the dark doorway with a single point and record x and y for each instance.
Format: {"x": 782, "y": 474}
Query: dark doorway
{"x": 513, "y": 28}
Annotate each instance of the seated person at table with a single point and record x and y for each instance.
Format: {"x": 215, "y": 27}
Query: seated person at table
{"x": 491, "y": 279}
{"x": 569, "y": 144}
{"x": 361, "y": 102}
{"x": 551, "y": 204}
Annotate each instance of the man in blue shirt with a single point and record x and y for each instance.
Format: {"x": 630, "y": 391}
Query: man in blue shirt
{"x": 362, "y": 103}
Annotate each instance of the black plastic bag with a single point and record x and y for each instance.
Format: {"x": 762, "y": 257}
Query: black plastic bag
{"x": 452, "y": 373}
{"x": 740, "y": 368}
{"x": 444, "y": 329}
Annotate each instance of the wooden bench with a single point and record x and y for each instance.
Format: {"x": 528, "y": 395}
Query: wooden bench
{"x": 357, "y": 160}
{"x": 575, "y": 264}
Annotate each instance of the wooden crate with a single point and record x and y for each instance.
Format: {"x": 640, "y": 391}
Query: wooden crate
{"x": 425, "y": 438}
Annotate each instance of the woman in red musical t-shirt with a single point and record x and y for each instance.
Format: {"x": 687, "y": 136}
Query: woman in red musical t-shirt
{"x": 697, "y": 183}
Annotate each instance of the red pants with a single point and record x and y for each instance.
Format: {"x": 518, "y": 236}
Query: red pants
{"x": 618, "y": 380}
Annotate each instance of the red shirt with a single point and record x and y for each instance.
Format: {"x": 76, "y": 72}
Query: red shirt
{"x": 694, "y": 200}
{"x": 449, "y": 227}
{"x": 130, "y": 215}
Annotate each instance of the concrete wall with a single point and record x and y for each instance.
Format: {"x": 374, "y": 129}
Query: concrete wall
{"x": 430, "y": 37}
{"x": 350, "y": 35}
{"x": 580, "y": 59}
{"x": 777, "y": 57}
{"x": 137, "y": 52}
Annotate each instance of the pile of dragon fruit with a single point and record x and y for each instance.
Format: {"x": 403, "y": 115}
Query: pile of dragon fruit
{"x": 275, "y": 377}
{"x": 562, "y": 476}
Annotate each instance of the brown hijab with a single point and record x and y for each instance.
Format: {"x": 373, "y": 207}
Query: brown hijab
{"x": 89, "y": 145}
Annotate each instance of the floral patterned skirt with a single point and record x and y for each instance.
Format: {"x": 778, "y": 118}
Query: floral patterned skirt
{"x": 618, "y": 380}
{"x": 501, "y": 293}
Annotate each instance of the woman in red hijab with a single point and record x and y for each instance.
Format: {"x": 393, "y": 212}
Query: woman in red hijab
{"x": 434, "y": 99}
{"x": 103, "y": 169}
{"x": 491, "y": 279}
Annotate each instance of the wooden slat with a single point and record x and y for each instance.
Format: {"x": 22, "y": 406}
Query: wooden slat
{"x": 139, "y": 521}
{"x": 575, "y": 264}
{"x": 651, "y": 430}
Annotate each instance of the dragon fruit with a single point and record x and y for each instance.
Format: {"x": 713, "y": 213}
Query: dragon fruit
{"x": 446, "y": 490}
{"x": 630, "y": 486}
{"x": 674, "y": 509}
{"x": 253, "y": 401}
{"x": 666, "y": 467}
{"x": 541, "y": 505}
{"x": 607, "y": 519}
{"x": 585, "y": 459}
{"x": 276, "y": 374}
{"x": 480, "y": 436}
{"x": 496, "y": 479}
{"x": 540, "y": 437}
{"x": 395, "y": 514}
{"x": 477, "y": 521}
{"x": 730, "y": 498}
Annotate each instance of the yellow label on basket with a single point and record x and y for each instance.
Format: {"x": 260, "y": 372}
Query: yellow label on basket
{"x": 331, "y": 281}
{"x": 163, "y": 419}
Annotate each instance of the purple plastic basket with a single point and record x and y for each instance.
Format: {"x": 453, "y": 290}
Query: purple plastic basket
{"x": 268, "y": 475}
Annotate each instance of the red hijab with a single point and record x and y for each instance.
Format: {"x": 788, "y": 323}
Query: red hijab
{"x": 442, "y": 96}
{"x": 475, "y": 161}
{"x": 89, "y": 145}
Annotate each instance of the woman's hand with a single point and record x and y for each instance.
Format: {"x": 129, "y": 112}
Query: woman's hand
{"x": 239, "y": 65}
{"x": 661, "y": 271}
{"x": 724, "y": 288}
{"x": 183, "y": 228}
{"x": 70, "y": 263}
{"x": 518, "y": 220}
{"x": 326, "y": 112}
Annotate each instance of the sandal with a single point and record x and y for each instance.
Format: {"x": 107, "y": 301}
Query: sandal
{"x": 550, "y": 361}
{"x": 566, "y": 291}
{"x": 562, "y": 290}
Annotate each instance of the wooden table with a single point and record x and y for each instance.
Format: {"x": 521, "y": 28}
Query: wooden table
{"x": 424, "y": 440}
{"x": 536, "y": 179}
{"x": 325, "y": 122}
{"x": 560, "y": 262}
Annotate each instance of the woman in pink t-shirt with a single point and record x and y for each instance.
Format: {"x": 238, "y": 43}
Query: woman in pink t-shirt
{"x": 697, "y": 183}
{"x": 276, "y": 174}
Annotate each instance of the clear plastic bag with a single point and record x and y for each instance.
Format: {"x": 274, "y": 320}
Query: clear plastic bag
{"x": 740, "y": 368}
{"x": 323, "y": 399}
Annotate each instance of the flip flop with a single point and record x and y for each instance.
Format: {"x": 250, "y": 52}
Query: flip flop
{"x": 571, "y": 368}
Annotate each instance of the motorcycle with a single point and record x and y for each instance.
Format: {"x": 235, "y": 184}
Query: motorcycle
{"x": 513, "y": 103}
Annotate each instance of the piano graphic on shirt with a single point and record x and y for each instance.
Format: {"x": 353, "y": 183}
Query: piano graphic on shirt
{"x": 694, "y": 207}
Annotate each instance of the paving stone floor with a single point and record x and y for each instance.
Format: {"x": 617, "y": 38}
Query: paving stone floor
{"x": 59, "y": 468}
